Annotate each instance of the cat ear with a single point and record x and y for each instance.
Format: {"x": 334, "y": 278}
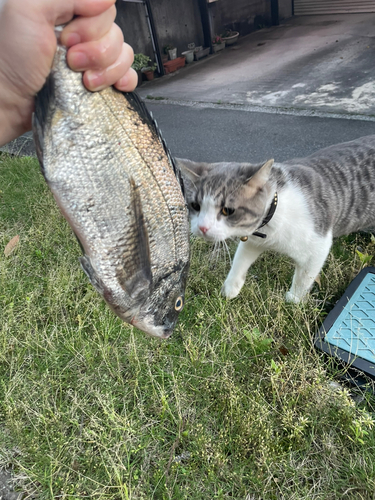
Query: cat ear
{"x": 193, "y": 170}
{"x": 258, "y": 180}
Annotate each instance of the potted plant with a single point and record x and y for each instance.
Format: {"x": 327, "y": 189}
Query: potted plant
{"x": 149, "y": 71}
{"x": 189, "y": 54}
{"x": 217, "y": 43}
{"x": 200, "y": 52}
{"x": 171, "y": 51}
{"x": 174, "y": 65}
{"x": 140, "y": 61}
{"x": 230, "y": 37}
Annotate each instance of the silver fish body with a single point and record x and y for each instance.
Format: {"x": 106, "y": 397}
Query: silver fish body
{"x": 115, "y": 182}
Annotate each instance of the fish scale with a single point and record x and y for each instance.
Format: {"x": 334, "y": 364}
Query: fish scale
{"x": 110, "y": 172}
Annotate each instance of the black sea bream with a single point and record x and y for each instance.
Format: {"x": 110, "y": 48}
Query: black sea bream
{"x": 117, "y": 185}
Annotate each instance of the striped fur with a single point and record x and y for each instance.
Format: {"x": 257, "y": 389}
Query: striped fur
{"x": 327, "y": 194}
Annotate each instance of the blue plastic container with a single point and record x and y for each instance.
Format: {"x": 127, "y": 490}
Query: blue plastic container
{"x": 348, "y": 332}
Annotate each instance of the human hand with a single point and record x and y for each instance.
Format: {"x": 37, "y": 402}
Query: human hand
{"x": 28, "y": 44}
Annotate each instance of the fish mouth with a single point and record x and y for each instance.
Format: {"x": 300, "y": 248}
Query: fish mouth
{"x": 155, "y": 331}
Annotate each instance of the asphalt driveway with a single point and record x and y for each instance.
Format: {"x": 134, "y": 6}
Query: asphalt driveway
{"x": 323, "y": 64}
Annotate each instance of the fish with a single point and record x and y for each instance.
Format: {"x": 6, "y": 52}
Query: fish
{"x": 116, "y": 183}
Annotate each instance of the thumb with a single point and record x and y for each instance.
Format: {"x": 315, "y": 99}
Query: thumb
{"x": 66, "y": 10}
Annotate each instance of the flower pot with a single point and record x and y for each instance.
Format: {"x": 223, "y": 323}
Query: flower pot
{"x": 230, "y": 40}
{"x": 172, "y": 54}
{"x": 201, "y": 52}
{"x": 174, "y": 65}
{"x": 189, "y": 55}
{"x": 216, "y": 47}
{"x": 149, "y": 74}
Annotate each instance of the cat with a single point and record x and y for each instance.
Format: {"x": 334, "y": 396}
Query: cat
{"x": 295, "y": 208}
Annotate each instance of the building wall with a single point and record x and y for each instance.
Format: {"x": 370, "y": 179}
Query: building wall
{"x": 285, "y": 9}
{"x": 178, "y": 22}
{"x": 131, "y": 18}
{"x": 244, "y": 16}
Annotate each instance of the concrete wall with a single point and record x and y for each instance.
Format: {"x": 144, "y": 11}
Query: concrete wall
{"x": 132, "y": 20}
{"x": 285, "y": 9}
{"x": 178, "y": 22}
{"x": 244, "y": 16}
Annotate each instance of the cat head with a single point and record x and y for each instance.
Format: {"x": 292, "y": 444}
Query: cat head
{"x": 226, "y": 200}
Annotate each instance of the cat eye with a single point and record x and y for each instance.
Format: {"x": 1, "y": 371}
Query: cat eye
{"x": 195, "y": 206}
{"x": 227, "y": 211}
{"x": 179, "y": 304}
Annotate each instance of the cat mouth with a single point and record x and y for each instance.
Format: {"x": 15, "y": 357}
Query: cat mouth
{"x": 212, "y": 239}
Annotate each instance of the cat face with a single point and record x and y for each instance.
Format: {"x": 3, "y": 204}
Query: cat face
{"x": 225, "y": 200}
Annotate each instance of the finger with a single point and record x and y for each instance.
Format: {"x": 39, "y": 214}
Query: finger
{"x": 128, "y": 82}
{"x": 97, "y": 54}
{"x": 87, "y": 29}
{"x": 98, "y": 80}
{"x": 91, "y": 7}
{"x": 87, "y": 8}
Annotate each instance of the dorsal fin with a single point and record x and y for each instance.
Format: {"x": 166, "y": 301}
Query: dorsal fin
{"x": 146, "y": 116}
{"x": 44, "y": 104}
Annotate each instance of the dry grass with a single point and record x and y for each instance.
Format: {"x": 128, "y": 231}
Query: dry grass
{"x": 237, "y": 404}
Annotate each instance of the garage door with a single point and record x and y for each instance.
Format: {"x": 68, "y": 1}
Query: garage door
{"x": 310, "y": 7}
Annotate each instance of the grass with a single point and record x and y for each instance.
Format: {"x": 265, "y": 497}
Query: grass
{"x": 236, "y": 405}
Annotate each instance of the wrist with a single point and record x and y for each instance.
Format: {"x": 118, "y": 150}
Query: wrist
{"x": 15, "y": 114}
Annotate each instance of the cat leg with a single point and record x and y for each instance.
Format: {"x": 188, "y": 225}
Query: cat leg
{"x": 307, "y": 270}
{"x": 246, "y": 254}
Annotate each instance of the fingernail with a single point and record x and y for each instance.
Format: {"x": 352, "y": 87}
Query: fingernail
{"x": 72, "y": 39}
{"x": 96, "y": 80}
{"x": 79, "y": 60}
{"x": 123, "y": 82}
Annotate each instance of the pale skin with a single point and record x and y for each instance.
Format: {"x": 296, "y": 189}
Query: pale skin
{"x": 28, "y": 43}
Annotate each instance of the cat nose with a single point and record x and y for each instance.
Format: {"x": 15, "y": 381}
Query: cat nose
{"x": 203, "y": 229}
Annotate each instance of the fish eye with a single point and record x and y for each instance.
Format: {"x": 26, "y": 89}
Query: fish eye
{"x": 179, "y": 304}
{"x": 195, "y": 206}
{"x": 227, "y": 211}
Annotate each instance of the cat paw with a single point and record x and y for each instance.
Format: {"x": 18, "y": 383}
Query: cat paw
{"x": 290, "y": 297}
{"x": 231, "y": 290}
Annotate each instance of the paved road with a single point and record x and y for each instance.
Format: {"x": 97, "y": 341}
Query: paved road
{"x": 215, "y": 134}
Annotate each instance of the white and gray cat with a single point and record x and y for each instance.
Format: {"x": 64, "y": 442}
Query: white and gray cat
{"x": 303, "y": 204}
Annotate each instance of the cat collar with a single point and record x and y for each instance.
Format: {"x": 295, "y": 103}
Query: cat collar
{"x": 266, "y": 220}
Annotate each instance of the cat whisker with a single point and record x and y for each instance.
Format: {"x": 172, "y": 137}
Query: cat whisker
{"x": 215, "y": 254}
{"x": 220, "y": 247}
{"x": 228, "y": 252}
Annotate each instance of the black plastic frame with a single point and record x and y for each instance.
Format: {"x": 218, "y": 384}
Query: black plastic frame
{"x": 348, "y": 358}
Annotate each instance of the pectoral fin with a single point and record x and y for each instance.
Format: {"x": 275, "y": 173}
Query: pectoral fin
{"x": 91, "y": 274}
{"x": 38, "y": 140}
{"x": 134, "y": 273}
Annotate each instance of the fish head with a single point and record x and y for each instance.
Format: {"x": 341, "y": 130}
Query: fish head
{"x": 162, "y": 303}
{"x": 152, "y": 304}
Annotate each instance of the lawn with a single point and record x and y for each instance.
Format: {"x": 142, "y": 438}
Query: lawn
{"x": 237, "y": 404}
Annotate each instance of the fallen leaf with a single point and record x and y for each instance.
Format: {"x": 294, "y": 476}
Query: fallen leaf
{"x": 12, "y": 245}
{"x": 284, "y": 351}
{"x": 317, "y": 280}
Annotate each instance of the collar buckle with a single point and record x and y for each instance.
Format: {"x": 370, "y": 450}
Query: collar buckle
{"x": 266, "y": 220}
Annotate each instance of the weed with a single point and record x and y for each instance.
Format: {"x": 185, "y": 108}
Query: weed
{"x": 237, "y": 404}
